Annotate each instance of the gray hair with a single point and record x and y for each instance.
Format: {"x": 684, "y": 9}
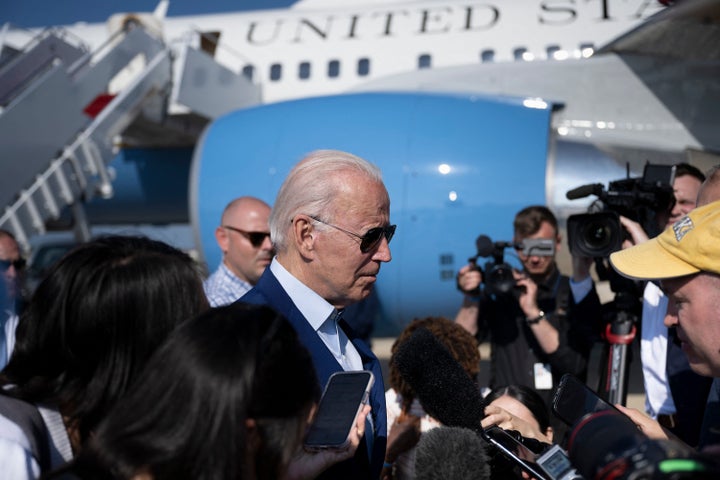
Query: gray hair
{"x": 310, "y": 188}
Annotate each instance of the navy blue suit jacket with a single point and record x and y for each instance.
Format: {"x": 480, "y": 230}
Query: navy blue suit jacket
{"x": 268, "y": 291}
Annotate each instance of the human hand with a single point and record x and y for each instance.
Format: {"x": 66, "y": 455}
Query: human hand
{"x": 404, "y": 434}
{"x": 495, "y": 415}
{"x": 637, "y": 234}
{"x": 306, "y": 464}
{"x": 581, "y": 267}
{"x": 528, "y": 294}
{"x": 647, "y": 425}
{"x": 469, "y": 278}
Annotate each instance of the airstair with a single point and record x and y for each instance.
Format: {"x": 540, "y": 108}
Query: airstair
{"x": 63, "y": 109}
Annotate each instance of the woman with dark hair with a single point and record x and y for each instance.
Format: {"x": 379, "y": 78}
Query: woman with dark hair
{"x": 517, "y": 407}
{"x": 85, "y": 335}
{"x": 228, "y": 396}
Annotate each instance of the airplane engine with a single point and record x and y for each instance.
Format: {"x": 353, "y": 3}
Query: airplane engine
{"x": 455, "y": 166}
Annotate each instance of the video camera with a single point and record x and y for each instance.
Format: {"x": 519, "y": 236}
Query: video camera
{"x": 600, "y": 233}
{"x": 608, "y": 445}
{"x": 497, "y": 275}
{"x": 604, "y": 445}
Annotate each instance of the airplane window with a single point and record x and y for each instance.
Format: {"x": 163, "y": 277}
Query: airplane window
{"x": 248, "y": 71}
{"x": 519, "y": 53}
{"x": 363, "y": 67}
{"x": 554, "y": 52}
{"x": 487, "y": 56}
{"x": 333, "y": 68}
{"x": 275, "y": 72}
{"x": 424, "y": 61}
{"x": 586, "y": 49}
{"x": 304, "y": 70}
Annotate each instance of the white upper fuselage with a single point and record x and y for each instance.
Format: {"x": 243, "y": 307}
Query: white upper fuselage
{"x": 320, "y": 48}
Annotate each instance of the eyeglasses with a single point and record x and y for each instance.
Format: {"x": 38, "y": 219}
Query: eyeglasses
{"x": 371, "y": 238}
{"x": 5, "y": 265}
{"x": 255, "y": 238}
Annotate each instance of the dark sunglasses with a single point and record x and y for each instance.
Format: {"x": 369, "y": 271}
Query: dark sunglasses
{"x": 5, "y": 265}
{"x": 371, "y": 238}
{"x": 255, "y": 238}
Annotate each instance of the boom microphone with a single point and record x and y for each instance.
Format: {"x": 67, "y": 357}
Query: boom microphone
{"x": 455, "y": 453}
{"x": 584, "y": 191}
{"x": 485, "y": 246}
{"x": 443, "y": 388}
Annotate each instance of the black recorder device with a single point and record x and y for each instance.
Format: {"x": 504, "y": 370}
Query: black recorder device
{"x": 344, "y": 396}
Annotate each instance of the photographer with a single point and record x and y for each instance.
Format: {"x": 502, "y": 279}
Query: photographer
{"x": 675, "y": 396}
{"x": 547, "y": 326}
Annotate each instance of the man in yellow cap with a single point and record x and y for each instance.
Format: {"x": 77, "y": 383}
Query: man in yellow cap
{"x": 685, "y": 258}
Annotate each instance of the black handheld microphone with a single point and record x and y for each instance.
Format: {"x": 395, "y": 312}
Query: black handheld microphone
{"x": 444, "y": 389}
{"x": 484, "y": 246}
{"x": 451, "y": 453}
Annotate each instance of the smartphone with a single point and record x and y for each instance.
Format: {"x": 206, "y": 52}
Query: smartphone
{"x": 515, "y": 451}
{"x": 573, "y": 400}
{"x": 341, "y": 401}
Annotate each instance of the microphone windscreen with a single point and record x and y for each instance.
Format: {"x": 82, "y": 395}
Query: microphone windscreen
{"x": 444, "y": 389}
{"x": 583, "y": 191}
{"x": 455, "y": 453}
{"x": 484, "y": 246}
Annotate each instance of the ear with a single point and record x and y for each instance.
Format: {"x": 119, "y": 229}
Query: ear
{"x": 558, "y": 242}
{"x": 303, "y": 233}
{"x": 221, "y": 236}
{"x": 142, "y": 474}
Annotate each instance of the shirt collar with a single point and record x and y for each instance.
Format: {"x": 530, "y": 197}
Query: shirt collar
{"x": 232, "y": 277}
{"x": 313, "y": 307}
{"x": 551, "y": 280}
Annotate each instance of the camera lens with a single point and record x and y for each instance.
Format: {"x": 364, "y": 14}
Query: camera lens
{"x": 597, "y": 234}
{"x": 594, "y": 234}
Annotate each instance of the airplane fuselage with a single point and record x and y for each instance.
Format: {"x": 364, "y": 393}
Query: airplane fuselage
{"x": 316, "y": 49}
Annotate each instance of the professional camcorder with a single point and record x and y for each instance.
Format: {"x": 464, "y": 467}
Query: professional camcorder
{"x": 497, "y": 275}
{"x": 600, "y": 233}
{"x": 608, "y": 445}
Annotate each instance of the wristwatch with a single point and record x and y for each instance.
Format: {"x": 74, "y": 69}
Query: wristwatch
{"x": 533, "y": 321}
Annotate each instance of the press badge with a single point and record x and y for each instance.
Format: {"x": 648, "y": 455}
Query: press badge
{"x": 543, "y": 376}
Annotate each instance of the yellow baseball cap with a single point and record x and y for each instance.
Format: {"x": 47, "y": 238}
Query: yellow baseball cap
{"x": 690, "y": 245}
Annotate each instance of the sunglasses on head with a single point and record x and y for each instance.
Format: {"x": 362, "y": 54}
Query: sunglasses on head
{"x": 371, "y": 238}
{"x": 5, "y": 265}
{"x": 255, "y": 238}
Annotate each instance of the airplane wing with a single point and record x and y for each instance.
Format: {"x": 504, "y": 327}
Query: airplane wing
{"x": 688, "y": 30}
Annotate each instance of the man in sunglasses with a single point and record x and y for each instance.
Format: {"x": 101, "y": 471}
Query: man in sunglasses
{"x": 548, "y": 324}
{"x": 11, "y": 267}
{"x": 331, "y": 227}
{"x": 244, "y": 238}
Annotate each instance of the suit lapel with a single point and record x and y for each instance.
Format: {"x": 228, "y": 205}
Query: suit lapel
{"x": 273, "y": 293}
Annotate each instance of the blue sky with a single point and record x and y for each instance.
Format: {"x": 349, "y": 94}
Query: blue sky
{"x": 34, "y": 13}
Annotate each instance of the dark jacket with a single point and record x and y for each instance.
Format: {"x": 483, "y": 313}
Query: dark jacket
{"x": 268, "y": 291}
